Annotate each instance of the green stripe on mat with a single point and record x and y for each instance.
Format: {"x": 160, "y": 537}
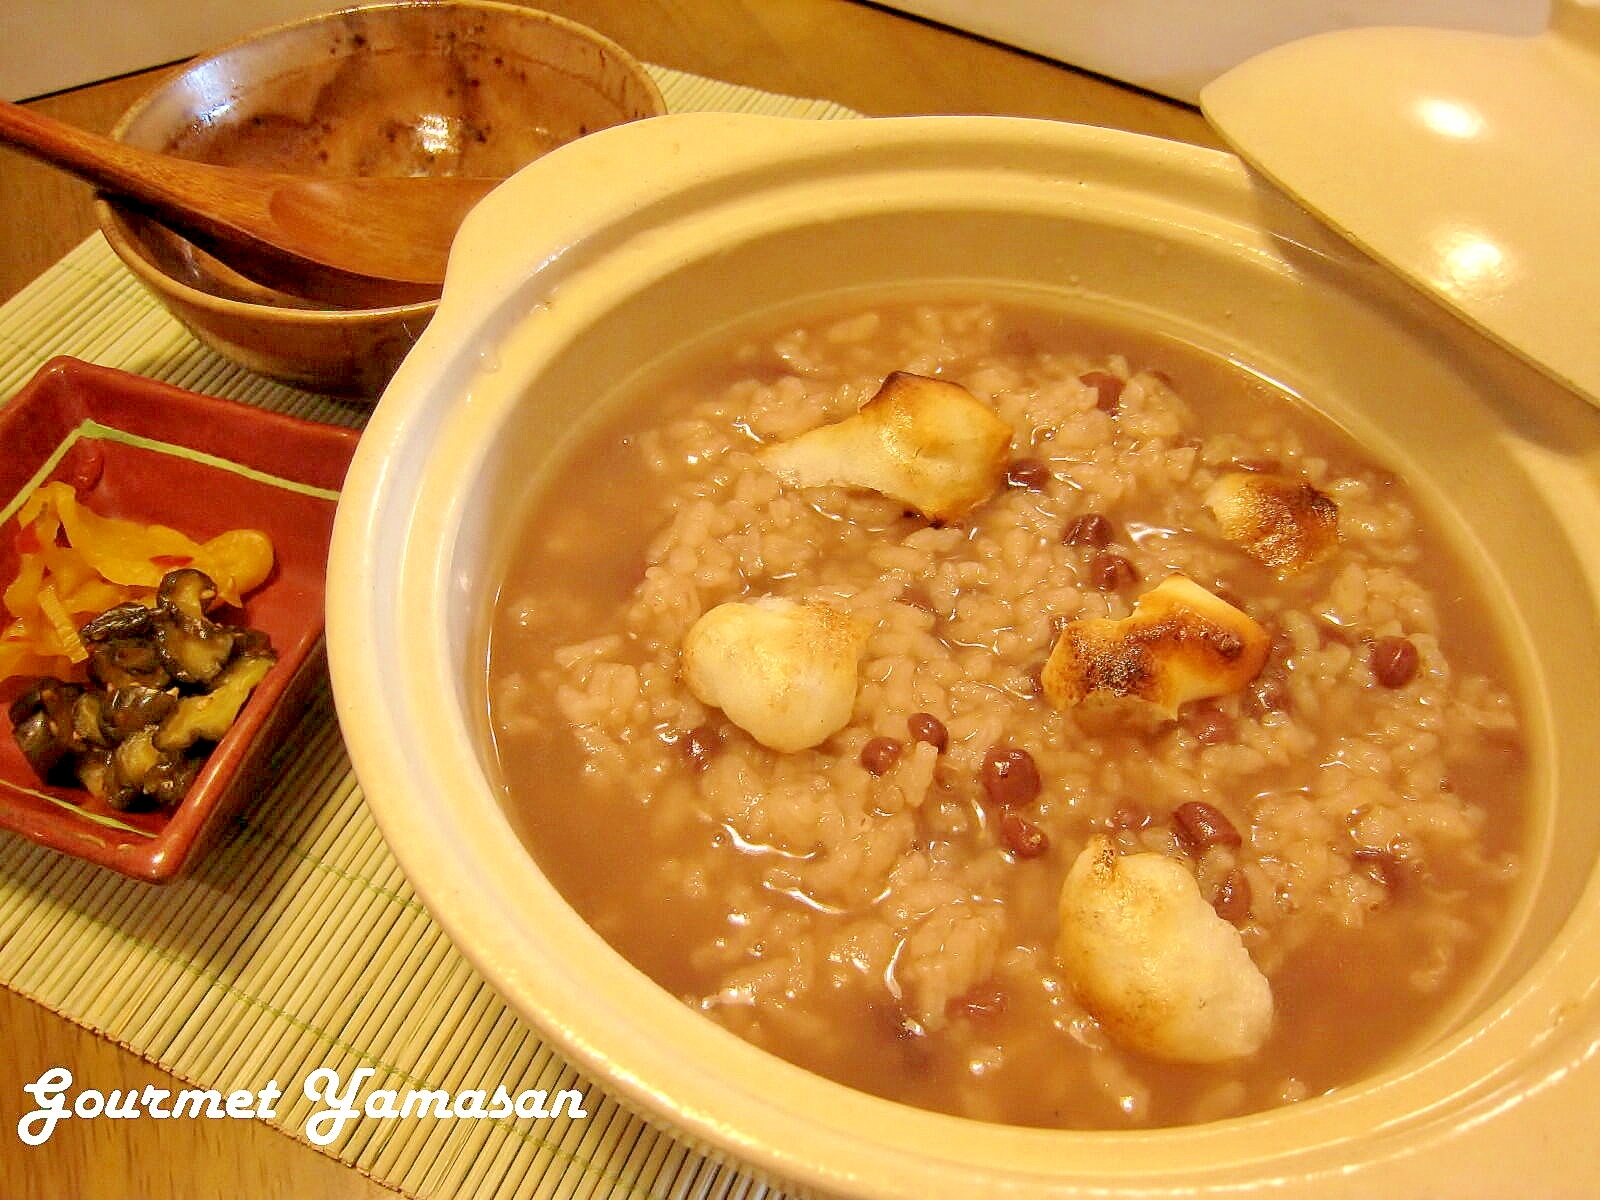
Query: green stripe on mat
{"x": 298, "y": 944}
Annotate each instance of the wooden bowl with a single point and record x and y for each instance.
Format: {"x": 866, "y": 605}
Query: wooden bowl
{"x": 455, "y": 87}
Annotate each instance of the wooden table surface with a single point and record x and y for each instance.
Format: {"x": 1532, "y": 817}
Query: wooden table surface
{"x": 874, "y": 60}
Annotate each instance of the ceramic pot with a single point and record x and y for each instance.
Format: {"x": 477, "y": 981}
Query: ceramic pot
{"x": 648, "y": 235}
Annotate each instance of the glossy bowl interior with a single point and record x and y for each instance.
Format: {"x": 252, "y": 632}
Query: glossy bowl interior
{"x": 545, "y": 321}
{"x": 454, "y": 87}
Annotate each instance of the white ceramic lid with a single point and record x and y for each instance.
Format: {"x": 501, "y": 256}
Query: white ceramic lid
{"x": 1468, "y": 162}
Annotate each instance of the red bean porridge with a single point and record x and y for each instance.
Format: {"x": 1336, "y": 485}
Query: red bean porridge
{"x": 882, "y": 907}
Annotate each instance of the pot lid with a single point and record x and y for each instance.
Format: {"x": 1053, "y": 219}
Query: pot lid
{"x": 1468, "y": 162}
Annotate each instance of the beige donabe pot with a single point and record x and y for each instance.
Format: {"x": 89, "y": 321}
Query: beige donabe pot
{"x": 611, "y": 252}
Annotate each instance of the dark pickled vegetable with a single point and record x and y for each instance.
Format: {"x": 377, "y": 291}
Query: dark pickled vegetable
{"x": 133, "y": 707}
{"x": 39, "y": 744}
{"x": 185, "y": 595}
{"x": 194, "y": 647}
{"x": 119, "y": 662}
{"x": 193, "y": 657}
{"x": 134, "y": 757}
{"x": 207, "y": 715}
{"x": 53, "y": 697}
{"x": 44, "y": 724}
{"x": 166, "y": 683}
{"x": 169, "y": 777}
{"x": 94, "y": 768}
{"x": 124, "y": 621}
{"x": 91, "y": 723}
{"x": 253, "y": 642}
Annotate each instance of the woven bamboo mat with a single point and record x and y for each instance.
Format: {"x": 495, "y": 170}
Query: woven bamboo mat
{"x": 297, "y": 944}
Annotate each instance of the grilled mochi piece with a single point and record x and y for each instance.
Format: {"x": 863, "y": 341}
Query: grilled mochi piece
{"x": 784, "y": 671}
{"x": 1180, "y": 643}
{"x": 1154, "y": 963}
{"x": 1284, "y": 523}
{"x": 928, "y": 443}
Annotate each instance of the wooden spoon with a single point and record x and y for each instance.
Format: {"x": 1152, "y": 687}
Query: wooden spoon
{"x": 359, "y": 242}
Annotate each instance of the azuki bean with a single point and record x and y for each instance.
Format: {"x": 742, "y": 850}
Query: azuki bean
{"x": 1232, "y": 599}
{"x": 1209, "y": 724}
{"x": 1109, "y": 389}
{"x": 700, "y": 744}
{"x": 925, "y": 727}
{"x": 1394, "y": 661}
{"x": 1203, "y": 825}
{"x": 1129, "y": 816}
{"x": 1383, "y": 867}
{"x": 1335, "y": 634}
{"x": 880, "y": 754}
{"x": 1031, "y": 473}
{"x": 1091, "y": 529}
{"x": 1035, "y": 678}
{"x": 1258, "y": 466}
{"x": 1269, "y": 693}
{"x": 1232, "y": 899}
{"x": 1109, "y": 572}
{"x": 1021, "y": 836}
{"x": 1010, "y": 776}
{"x": 985, "y": 1000}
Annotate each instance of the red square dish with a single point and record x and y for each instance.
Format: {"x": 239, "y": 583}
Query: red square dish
{"x": 154, "y": 453}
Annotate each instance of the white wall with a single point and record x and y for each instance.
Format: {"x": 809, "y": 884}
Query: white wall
{"x": 48, "y": 45}
{"x": 1176, "y": 46}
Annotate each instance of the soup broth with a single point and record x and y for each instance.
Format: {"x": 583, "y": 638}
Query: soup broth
{"x": 873, "y": 914}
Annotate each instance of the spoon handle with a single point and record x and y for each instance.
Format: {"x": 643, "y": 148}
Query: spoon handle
{"x": 171, "y": 189}
{"x": 226, "y": 211}
{"x": 366, "y": 241}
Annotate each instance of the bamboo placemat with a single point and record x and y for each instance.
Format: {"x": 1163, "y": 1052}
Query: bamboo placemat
{"x": 297, "y": 944}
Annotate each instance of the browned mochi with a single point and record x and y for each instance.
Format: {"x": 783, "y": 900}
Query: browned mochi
{"x": 782, "y": 670}
{"x": 928, "y": 443}
{"x": 1180, "y": 643}
{"x": 1284, "y": 523}
{"x": 1160, "y": 970}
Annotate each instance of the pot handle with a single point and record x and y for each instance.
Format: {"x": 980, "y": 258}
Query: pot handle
{"x": 598, "y": 184}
